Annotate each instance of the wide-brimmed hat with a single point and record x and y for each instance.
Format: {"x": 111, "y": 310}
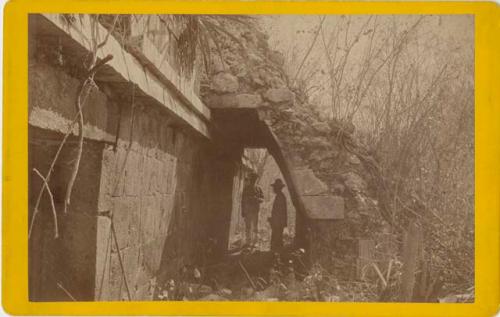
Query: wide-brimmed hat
{"x": 278, "y": 183}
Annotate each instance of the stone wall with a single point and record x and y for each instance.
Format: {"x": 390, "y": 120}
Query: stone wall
{"x": 165, "y": 191}
{"x": 159, "y": 191}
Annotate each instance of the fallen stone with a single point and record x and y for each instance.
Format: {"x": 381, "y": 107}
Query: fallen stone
{"x": 321, "y": 127}
{"x": 353, "y": 159}
{"x": 279, "y": 95}
{"x": 254, "y": 58}
{"x": 257, "y": 80}
{"x": 225, "y": 292}
{"x": 277, "y": 58}
{"x": 333, "y": 298}
{"x": 213, "y": 298}
{"x": 224, "y": 83}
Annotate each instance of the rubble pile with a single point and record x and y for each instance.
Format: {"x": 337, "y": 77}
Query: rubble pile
{"x": 262, "y": 276}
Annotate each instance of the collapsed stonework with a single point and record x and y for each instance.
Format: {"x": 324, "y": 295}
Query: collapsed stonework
{"x": 334, "y": 180}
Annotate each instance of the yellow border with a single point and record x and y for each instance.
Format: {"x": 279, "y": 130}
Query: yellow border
{"x": 15, "y": 279}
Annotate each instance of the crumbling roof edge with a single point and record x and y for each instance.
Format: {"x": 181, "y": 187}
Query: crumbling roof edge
{"x": 193, "y": 113}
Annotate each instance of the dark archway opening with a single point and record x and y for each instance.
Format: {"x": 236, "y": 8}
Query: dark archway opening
{"x": 261, "y": 162}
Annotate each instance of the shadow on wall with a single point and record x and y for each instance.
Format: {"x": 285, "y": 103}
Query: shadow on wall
{"x": 62, "y": 269}
{"x": 198, "y": 232}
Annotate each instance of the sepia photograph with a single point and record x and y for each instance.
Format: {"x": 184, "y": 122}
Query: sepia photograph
{"x": 251, "y": 158}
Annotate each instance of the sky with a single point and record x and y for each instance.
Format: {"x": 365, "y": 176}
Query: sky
{"x": 441, "y": 38}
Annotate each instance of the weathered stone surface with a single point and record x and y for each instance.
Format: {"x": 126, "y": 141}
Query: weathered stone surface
{"x": 279, "y": 95}
{"x": 324, "y": 207}
{"x": 132, "y": 173}
{"x": 166, "y": 205}
{"x": 224, "y": 83}
{"x": 107, "y": 180}
{"x": 234, "y": 101}
{"x": 354, "y": 182}
{"x": 126, "y": 220}
{"x": 321, "y": 127}
{"x": 353, "y": 159}
{"x": 248, "y": 100}
{"x": 218, "y": 65}
{"x": 277, "y": 57}
{"x": 254, "y": 58}
{"x": 152, "y": 254}
{"x": 337, "y": 188}
{"x": 222, "y": 101}
{"x": 103, "y": 249}
{"x": 150, "y": 217}
{"x": 308, "y": 183}
{"x": 321, "y": 155}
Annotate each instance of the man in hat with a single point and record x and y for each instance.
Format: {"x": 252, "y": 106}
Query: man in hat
{"x": 251, "y": 199}
{"x": 278, "y": 218}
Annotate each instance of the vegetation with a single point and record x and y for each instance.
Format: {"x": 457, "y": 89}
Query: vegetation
{"x": 401, "y": 91}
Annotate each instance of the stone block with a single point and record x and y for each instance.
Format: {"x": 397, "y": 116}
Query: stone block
{"x": 279, "y": 95}
{"x": 117, "y": 186}
{"x": 222, "y": 101}
{"x": 277, "y": 57}
{"x": 103, "y": 253}
{"x": 131, "y": 265}
{"x": 248, "y": 100}
{"x": 107, "y": 179}
{"x": 152, "y": 252}
{"x": 155, "y": 175}
{"x": 145, "y": 175}
{"x": 172, "y": 177}
{"x": 224, "y": 83}
{"x": 112, "y": 281}
{"x": 126, "y": 220}
{"x": 53, "y": 89}
{"x": 234, "y": 101}
{"x": 167, "y": 208}
{"x": 133, "y": 163}
{"x": 162, "y": 177}
{"x": 150, "y": 215}
{"x": 307, "y": 183}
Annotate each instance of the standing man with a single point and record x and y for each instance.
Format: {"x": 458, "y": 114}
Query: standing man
{"x": 251, "y": 199}
{"x": 278, "y": 218}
